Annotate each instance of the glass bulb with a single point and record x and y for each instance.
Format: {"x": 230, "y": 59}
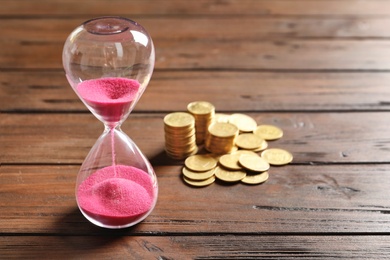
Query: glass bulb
{"x": 109, "y": 47}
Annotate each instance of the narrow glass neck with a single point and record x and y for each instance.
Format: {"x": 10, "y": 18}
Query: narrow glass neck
{"x": 112, "y": 127}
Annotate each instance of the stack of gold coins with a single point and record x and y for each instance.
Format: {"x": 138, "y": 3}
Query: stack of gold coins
{"x": 179, "y": 130}
{"x": 220, "y": 138}
{"x": 203, "y": 113}
{"x": 199, "y": 170}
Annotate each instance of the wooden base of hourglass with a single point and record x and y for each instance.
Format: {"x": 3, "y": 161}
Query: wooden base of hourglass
{"x": 116, "y": 186}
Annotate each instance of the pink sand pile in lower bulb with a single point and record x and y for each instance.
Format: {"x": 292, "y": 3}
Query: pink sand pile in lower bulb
{"x": 116, "y": 200}
{"x": 110, "y": 98}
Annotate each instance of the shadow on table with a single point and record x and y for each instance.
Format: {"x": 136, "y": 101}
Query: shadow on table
{"x": 78, "y": 236}
{"x": 74, "y": 223}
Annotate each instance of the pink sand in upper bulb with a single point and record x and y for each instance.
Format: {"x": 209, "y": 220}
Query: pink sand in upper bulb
{"x": 110, "y": 98}
{"x": 119, "y": 200}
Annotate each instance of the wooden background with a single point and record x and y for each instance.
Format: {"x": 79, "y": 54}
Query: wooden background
{"x": 319, "y": 69}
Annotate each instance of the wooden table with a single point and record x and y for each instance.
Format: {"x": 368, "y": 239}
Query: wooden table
{"x": 317, "y": 69}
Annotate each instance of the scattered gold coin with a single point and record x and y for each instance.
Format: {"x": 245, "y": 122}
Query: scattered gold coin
{"x": 247, "y": 152}
{"x": 254, "y": 163}
{"x": 228, "y": 175}
{"x": 262, "y": 147}
{"x": 199, "y": 183}
{"x": 277, "y": 156}
{"x": 230, "y": 161}
{"x": 244, "y": 122}
{"x": 197, "y": 176}
{"x": 221, "y": 118}
{"x": 268, "y": 132}
{"x": 256, "y": 178}
{"x": 200, "y": 162}
{"x": 234, "y": 149}
{"x": 249, "y": 141}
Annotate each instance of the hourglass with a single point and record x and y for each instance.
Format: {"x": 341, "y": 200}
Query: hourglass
{"x": 108, "y": 62}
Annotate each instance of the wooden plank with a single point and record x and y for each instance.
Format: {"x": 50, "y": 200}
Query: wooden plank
{"x": 311, "y": 137}
{"x": 278, "y": 43}
{"x": 247, "y": 55}
{"x": 333, "y": 199}
{"x": 274, "y": 55}
{"x": 228, "y": 91}
{"x": 201, "y": 7}
{"x": 250, "y": 28}
{"x": 194, "y": 247}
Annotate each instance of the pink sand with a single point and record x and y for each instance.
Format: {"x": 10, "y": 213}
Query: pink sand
{"x": 116, "y": 200}
{"x": 111, "y": 98}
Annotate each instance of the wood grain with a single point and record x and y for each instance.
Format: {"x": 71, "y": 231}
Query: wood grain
{"x": 218, "y": 43}
{"x": 311, "y": 137}
{"x": 199, "y": 247}
{"x": 262, "y": 55}
{"x": 67, "y": 8}
{"x": 48, "y": 91}
{"x": 219, "y": 28}
{"x": 296, "y": 199}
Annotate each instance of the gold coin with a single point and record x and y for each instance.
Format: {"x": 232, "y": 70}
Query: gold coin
{"x": 179, "y": 119}
{"x": 223, "y": 130}
{"x": 253, "y": 163}
{"x": 244, "y": 122}
{"x": 197, "y": 176}
{"x": 233, "y": 149}
{"x": 181, "y": 155}
{"x": 174, "y": 145}
{"x": 247, "y": 152}
{"x": 268, "y": 132}
{"x": 249, "y": 141}
{"x": 220, "y": 151}
{"x": 263, "y": 146}
{"x": 180, "y": 150}
{"x": 221, "y": 118}
{"x": 276, "y": 156}
{"x": 256, "y": 178}
{"x": 200, "y": 162}
{"x": 179, "y": 141}
{"x": 200, "y": 108}
{"x": 184, "y": 131}
{"x": 230, "y": 161}
{"x": 229, "y": 176}
{"x": 219, "y": 147}
{"x": 202, "y": 120}
{"x": 199, "y": 183}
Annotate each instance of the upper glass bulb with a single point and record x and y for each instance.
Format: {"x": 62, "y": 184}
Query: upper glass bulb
{"x": 108, "y": 62}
